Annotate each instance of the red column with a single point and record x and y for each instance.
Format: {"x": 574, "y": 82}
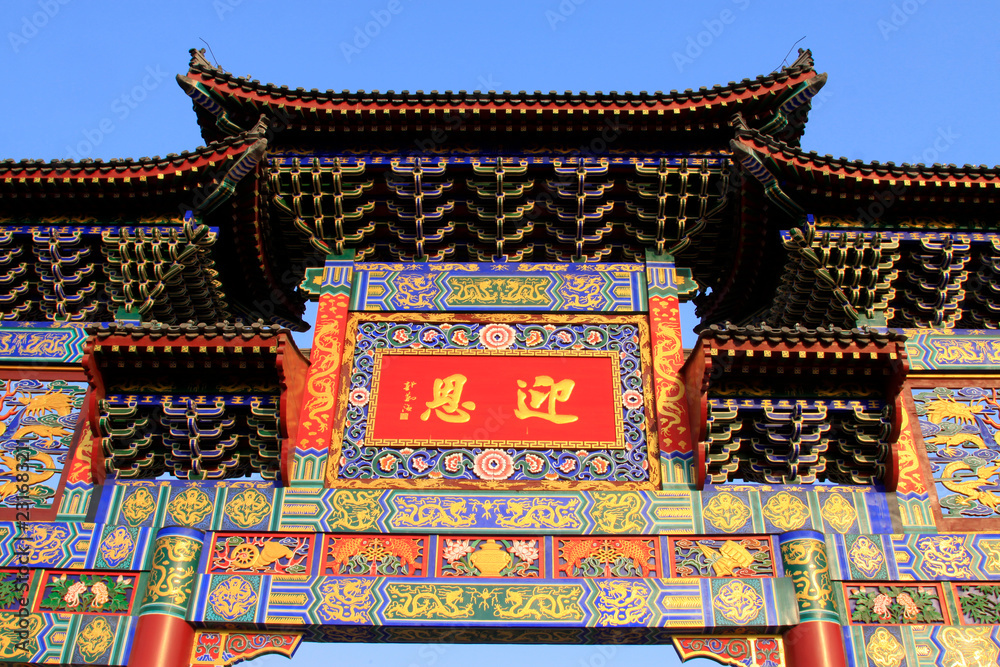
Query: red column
{"x": 163, "y": 638}
{"x": 161, "y": 641}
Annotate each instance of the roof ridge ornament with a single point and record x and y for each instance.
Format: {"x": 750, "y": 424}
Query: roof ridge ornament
{"x": 795, "y": 100}
{"x": 207, "y": 100}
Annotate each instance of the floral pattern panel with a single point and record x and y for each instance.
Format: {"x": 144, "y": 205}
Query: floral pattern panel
{"x": 359, "y": 458}
{"x": 37, "y": 421}
{"x": 476, "y": 557}
{"x": 959, "y": 428}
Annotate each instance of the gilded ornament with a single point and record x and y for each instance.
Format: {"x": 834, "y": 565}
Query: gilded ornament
{"x": 14, "y": 645}
{"x": 346, "y": 600}
{"x": 232, "y": 598}
{"x": 726, "y": 512}
{"x": 806, "y": 563}
{"x": 622, "y": 602}
{"x": 885, "y": 650}
{"x": 786, "y": 512}
{"x": 94, "y": 639}
{"x": 839, "y": 513}
{"x": 992, "y": 550}
{"x": 969, "y": 647}
{"x": 138, "y": 506}
{"x": 944, "y": 556}
{"x": 46, "y": 542}
{"x": 248, "y": 508}
{"x": 491, "y": 559}
{"x": 618, "y": 512}
{"x": 354, "y": 510}
{"x": 117, "y": 546}
{"x": 866, "y": 557}
{"x": 738, "y": 602}
{"x": 190, "y": 507}
{"x": 172, "y": 571}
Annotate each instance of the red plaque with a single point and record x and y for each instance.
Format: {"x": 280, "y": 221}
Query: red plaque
{"x": 502, "y": 399}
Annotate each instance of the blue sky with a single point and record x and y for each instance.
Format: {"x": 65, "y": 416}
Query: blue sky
{"x": 911, "y": 80}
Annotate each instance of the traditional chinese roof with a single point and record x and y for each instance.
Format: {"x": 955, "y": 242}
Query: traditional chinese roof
{"x": 824, "y": 184}
{"x": 141, "y": 232}
{"x": 778, "y": 101}
{"x": 233, "y": 389}
{"x": 898, "y": 245}
{"x": 832, "y": 409}
{"x": 731, "y": 334}
{"x": 187, "y": 331}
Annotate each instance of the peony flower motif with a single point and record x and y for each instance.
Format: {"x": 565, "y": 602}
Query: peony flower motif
{"x": 406, "y": 451}
{"x": 456, "y": 549}
{"x": 535, "y": 463}
{"x": 359, "y": 397}
{"x": 881, "y": 606}
{"x": 430, "y": 336}
{"x": 568, "y": 466}
{"x": 459, "y": 337}
{"x": 72, "y": 596}
{"x": 100, "y": 591}
{"x": 497, "y": 336}
{"x": 525, "y": 550}
{"x": 387, "y": 462}
{"x": 552, "y": 476}
{"x": 452, "y": 462}
{"x": 594, "y": 337}
{"x": 534, "y": 338}
{"x": 445, "y": 327}
{"x": 600, "y": 465}
{"x": 493, "y": 464}
{"x": 632, "y": 399}
{"x": 549, "y": 327}
{"x": 419, "y": 463}
{"x": 435, "y": 474}
{"x": 401, "y": 336}
{"x": 578, "y": 346}
{"x": 910, "y": 608}
{"x": 564, "y": 336}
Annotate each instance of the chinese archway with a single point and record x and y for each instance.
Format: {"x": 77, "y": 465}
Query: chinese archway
{"x": 496, "y": 435}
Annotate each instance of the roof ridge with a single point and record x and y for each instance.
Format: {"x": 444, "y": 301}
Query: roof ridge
{"x": 777, "y": 144}
{"x": 237, "y": 140}
{"x": 803, "y": 63}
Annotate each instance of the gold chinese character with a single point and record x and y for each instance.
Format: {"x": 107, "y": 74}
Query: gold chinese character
{"x": 553, "y": 392}
{"x": 447, "y": 397}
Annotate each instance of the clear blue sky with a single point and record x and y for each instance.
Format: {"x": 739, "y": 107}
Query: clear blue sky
{"x": 902, "y": 74}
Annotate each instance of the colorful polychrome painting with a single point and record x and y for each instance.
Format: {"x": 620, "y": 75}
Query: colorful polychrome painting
{"x": 413, "y": 369}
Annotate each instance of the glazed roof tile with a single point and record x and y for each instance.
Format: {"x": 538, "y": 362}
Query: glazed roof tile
{"x": 730, "y": 333}
{"x": 189, "y": 331}
{"x": 794, "y": 157}
{"x": 118, "y": 168}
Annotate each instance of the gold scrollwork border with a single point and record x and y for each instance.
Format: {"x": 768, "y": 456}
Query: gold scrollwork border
{"x": 617, "y": 443}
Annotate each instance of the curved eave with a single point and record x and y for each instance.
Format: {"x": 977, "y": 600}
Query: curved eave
{"x": 826, "y": 174}
{"x": 177, "y": 171}
{"x": 499, "y": 112}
